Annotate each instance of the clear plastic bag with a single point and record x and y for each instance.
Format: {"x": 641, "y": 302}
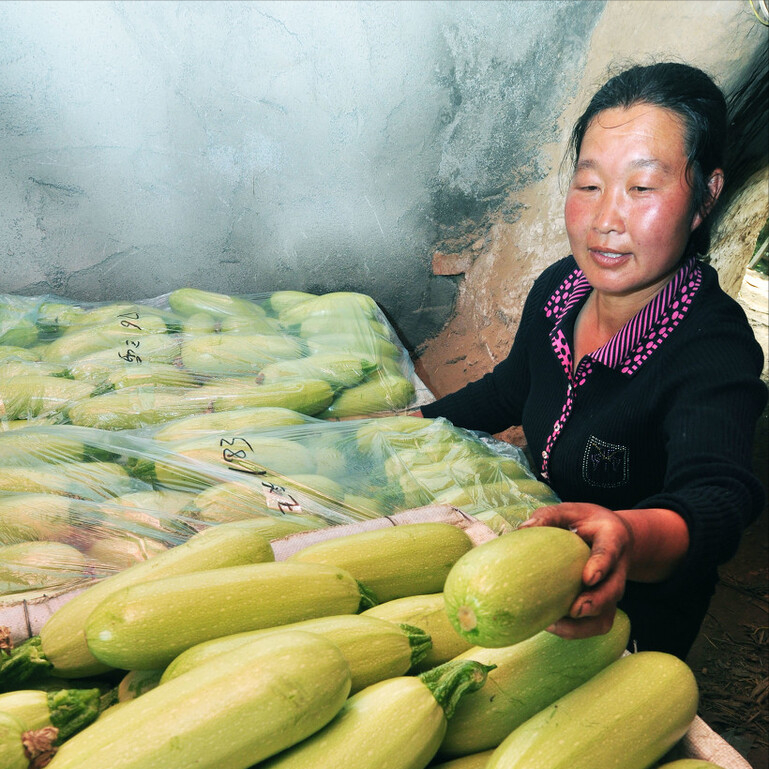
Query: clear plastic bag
{"x": 78, "y": 504}
{"x": 106, "y": 499}
{"x": 357, "y": 468}
{"x": 123, "y": 365}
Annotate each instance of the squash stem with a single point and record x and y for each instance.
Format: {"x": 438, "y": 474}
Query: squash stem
{"x": 72, "y": 710}
{"x": 108, "y": 699}
{"x": 27, "y": 661}
{"x": 367, "y": 599}
{"x": 39, "y": 746}
{"x": 467, "y": 619}
{"x": 419, "y": 641}
{"x": 450, "y": 681}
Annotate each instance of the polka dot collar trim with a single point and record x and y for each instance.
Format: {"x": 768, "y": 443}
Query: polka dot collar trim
{"x": 635, "y": 342}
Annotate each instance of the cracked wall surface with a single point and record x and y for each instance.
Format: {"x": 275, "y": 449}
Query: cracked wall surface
{"x": 408, "y": 149}
{"x": 254, "y": 146}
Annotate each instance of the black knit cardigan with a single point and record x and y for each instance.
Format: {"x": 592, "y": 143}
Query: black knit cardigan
{"x": 677, "y": 433}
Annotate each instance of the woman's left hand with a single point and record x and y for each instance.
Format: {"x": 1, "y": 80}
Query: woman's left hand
{"x": 611, "y": 542}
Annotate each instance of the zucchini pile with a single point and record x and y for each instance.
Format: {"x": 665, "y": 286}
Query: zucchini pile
{"x": 215, "y": 655}
{"x": 126, "y": 427}
{"x": 74, "y": 510}
{"x": 123, "y": 365}
{"x": 360, "y": 468}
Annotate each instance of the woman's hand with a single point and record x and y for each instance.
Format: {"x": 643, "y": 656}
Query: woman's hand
{"x": 611, "y": 542}
{"x": 643, "y": 545}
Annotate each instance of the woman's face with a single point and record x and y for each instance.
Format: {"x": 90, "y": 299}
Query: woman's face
{"x": 628, "y": 208}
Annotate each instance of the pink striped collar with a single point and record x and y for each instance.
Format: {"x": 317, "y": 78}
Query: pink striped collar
{"x": 632, "y": 345}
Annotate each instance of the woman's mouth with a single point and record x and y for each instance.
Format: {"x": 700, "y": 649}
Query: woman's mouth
{"x": 608, "y": 256}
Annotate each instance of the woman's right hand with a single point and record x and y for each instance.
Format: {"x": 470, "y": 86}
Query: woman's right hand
{"x": 645, "y": 545}
{"x": 604, "y": 575}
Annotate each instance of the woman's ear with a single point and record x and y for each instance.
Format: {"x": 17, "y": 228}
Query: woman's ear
{"x": 715, "y": 186}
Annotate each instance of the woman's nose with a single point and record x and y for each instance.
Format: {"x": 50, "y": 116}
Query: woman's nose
{"x": 608, "y": 214}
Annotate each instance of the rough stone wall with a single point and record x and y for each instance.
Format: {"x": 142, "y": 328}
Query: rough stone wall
{"x": 735, "y": 236}
{"x": 506, "y": 257}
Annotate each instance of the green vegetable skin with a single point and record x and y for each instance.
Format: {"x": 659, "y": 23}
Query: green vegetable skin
{"x": 384, "y": 392}
{"x": 10, "y": 352}
{"x": 427, "y": 612}
{"x": 528, "y": 677}
{"x": 130, "y": 375}
{"x": 282, "y": 300}
{"x": 625, "y": 717}
{"x": 395, "y": 724}
{"x": 306, "y": 396}
{"x": 689, "y": 763}
{"x": 234, "y": 501}
{"x": 87, "y": 480}
{"x": 339, "y": 369}
{"x": 112, "y": 315}
{"x": 57, "y": 315}
{"x": 350, "y": 319}
{"x": 32, "y": 565}
{"x": 189, "y": 301}
{"x": 396, "y": 561}
{"x": 40, "y": 446}
{"x": 230, "y": 713}
{"x": 32, "y": 480}
{"x": 508, "y": 589}
{"x": 146, "y": 625}
{"x": 374, "y": 649}
{"x": 79, "y": 342}
{"x": 404, "y": 432}
{"x": 61, "y": 644}
{"x": 31, "y": 395}
{"x": 211, "y": 451}
{"x": 13, "y": 368}
{"x": 137, "y": 406}
{"x": 476, "y": 761}
{"x": 153, "y": 349}
{"x": 228, "y": 354}
{"x": 12, "y": 753}
{"x": 332, "y": 304}
{"x": 362, "y": 342}
{"x": 27, "y": 517}
{"x": 230, "y": 421}
{"x": 23, "y": 334}
{"x": 137, "y": 682}
{"x": 69, "y": 710}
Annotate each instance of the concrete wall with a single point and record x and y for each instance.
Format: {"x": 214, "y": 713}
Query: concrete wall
{"x": 254, "y": 146}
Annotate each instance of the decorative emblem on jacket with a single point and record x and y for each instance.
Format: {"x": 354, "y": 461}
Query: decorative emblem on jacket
{"x": 605, "y": 464}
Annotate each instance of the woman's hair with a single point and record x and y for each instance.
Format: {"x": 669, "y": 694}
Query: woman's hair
{"x": 690, "y": 94}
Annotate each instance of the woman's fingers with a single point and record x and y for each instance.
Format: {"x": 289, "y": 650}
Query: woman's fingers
{"x": 606, "y": 533}
{"x": 563, "y": 515}
{"x": 584, "y": 627}
{"x": 605, "y": 594}
{"x": 605, "y": 572}
{"x": 610, "y": 541}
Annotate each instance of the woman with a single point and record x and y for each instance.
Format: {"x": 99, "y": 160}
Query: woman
{"x": 635, "y": 377}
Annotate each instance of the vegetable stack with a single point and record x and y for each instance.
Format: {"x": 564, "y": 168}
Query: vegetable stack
{"x": 225, "y": 666}
{"x": 123, "y": 365}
